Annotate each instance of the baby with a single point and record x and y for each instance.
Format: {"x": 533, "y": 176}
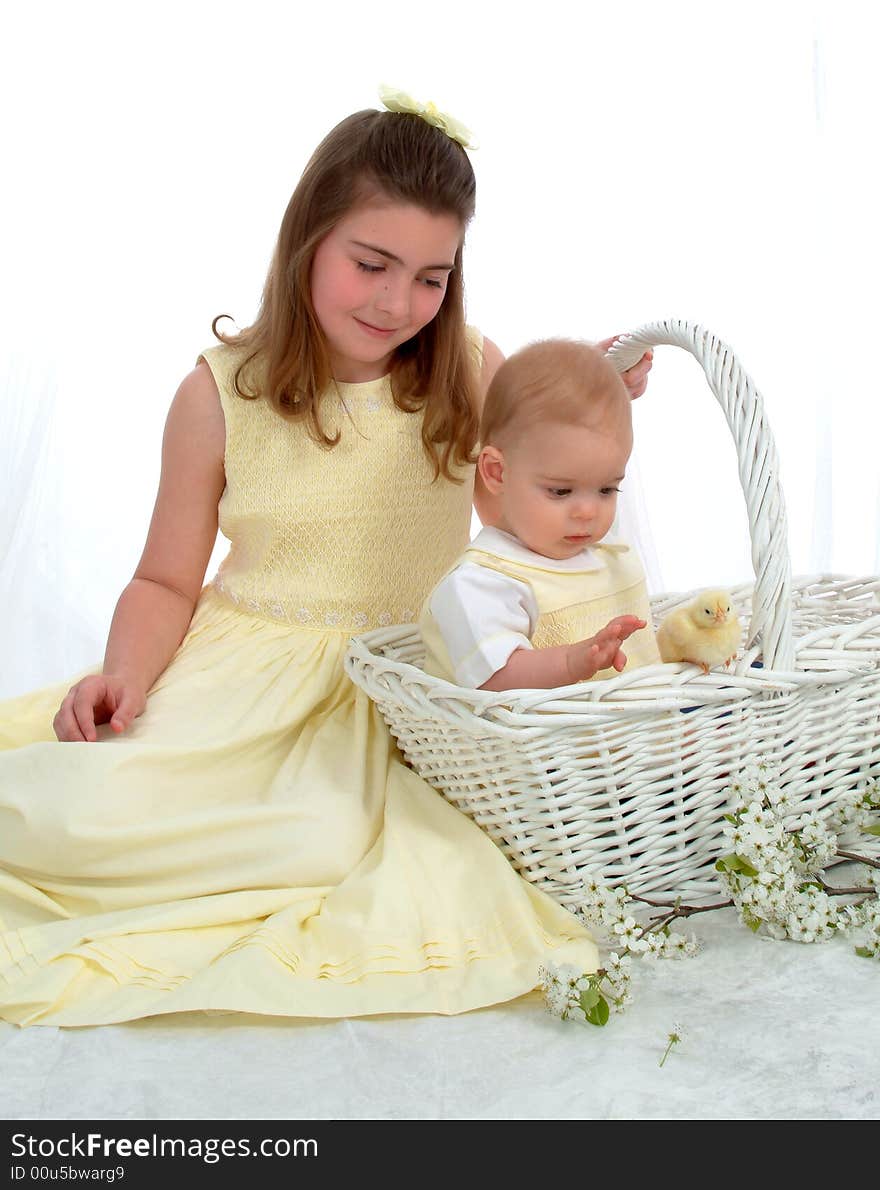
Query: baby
{"x": 542, "y": 599}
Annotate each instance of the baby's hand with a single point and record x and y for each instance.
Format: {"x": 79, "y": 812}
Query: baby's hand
{"x": 603, "y": 650}
{"x": 99, "y": 698}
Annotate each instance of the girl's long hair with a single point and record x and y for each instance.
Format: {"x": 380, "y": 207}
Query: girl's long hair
{"x": 370, "y": 154}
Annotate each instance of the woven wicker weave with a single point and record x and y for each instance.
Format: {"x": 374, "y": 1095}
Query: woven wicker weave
{"x": 629, "y": 776}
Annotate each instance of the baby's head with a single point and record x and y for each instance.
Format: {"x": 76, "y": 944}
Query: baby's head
{"x": 556, "y": 435}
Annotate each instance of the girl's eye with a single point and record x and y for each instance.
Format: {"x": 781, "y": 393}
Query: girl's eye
{"x": 369, "y": 268}
{"x": 433, "y": 284}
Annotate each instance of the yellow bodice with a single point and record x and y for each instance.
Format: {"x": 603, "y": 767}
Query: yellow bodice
{"x": 335, "y": 539}
{"x": 572, "y": 604}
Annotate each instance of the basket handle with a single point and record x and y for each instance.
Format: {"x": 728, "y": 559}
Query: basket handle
{"x": 758, "y": 472}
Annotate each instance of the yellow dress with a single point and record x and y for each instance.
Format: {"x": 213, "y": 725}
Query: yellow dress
{"x": 255, "y": 841}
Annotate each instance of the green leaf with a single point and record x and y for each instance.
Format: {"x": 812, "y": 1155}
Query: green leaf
{"x": 598, "y": 1015}
{"x": 589, "y": 999}
{"x": 871, "y": 830}
{"x": 735, "y": 863}
{"x": 864, "y": 951}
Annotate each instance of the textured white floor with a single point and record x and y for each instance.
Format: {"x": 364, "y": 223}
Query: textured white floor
{"x": 774, "y": 1030}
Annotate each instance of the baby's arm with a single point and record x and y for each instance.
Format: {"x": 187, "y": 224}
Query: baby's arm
{"x": 155, "y": 609}
{"x": 562, "y": 665}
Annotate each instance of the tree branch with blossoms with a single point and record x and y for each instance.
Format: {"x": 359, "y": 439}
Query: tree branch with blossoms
{"x": 774, "y": 875}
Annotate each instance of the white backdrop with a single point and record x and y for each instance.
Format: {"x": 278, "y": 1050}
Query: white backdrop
{"x": 706, "y": 161}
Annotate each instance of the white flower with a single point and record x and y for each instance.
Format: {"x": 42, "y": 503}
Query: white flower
{"x": 656, "y": 943}
{"x": 679, "y": 946}
{"x": 628, "y": 929}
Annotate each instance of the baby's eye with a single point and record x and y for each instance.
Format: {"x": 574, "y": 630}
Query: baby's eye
{"x": 559, "y": 492}
{"x": 608, "y": 491}
{"x": 369, "y": 268}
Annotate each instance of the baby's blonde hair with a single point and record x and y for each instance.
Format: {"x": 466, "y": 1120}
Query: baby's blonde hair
{"x": 562, "y": 380}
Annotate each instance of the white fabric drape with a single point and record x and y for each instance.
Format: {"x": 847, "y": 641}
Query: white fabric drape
{"x": 637, "y": 161}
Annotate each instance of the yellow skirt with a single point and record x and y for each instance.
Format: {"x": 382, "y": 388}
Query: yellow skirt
{"x": 253, "y": 843}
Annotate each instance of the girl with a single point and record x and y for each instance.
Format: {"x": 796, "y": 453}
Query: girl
{"x": 236, "y": 829}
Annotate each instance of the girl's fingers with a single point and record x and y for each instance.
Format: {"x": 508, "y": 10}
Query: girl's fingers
{"x": 122, "y": 716}
{"x": 130, "y": 706}
{"x": 84, "y": 713}
{"x": 65, "y": 725}
{"x": 94, "y": 702}
{"x": 116, "y": 710}
{"x": 636, "y": 377}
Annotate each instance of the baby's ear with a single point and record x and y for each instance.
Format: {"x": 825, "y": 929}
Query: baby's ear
{"x": 490, "y": 464}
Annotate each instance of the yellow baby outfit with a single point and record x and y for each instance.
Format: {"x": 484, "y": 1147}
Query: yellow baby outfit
{"x": 254, "y": 842}
{"x": 568, "y": 601}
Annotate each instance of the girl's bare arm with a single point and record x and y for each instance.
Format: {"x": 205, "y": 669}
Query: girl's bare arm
{"x": 155, "y": 609}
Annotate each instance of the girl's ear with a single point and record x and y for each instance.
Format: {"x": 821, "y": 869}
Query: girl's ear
{"x": 490, "y": 464}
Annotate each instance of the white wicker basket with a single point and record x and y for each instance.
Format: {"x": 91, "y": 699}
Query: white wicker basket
{"x": 629, "y": 776}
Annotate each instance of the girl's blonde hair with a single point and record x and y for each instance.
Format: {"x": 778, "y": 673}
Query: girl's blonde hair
{"x": 369, "y": 155}
{"x": 562, "y": 380}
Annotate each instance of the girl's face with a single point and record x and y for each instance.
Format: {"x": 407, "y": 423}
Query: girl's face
{"x": 377, "y": 278}
{"x": 558, "y": 485}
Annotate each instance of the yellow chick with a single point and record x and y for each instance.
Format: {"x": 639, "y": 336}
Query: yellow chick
{"x": 705, "y": 632}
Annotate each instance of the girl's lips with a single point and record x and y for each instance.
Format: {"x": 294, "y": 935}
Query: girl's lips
{"x": 379, "y": 331}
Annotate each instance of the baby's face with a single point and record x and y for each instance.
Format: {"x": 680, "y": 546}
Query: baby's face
{"x": 560, "y": 485}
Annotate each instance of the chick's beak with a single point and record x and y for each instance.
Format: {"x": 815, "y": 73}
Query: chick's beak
{"x": 720, "y": 615}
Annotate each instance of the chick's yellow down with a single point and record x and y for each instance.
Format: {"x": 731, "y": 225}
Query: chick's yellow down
{"x": 706, "y": 632}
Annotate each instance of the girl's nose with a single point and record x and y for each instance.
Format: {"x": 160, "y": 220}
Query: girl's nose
{"x": 393, "y": 299}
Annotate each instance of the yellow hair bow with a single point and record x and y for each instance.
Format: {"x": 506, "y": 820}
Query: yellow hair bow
{"x": 399, "y": 101}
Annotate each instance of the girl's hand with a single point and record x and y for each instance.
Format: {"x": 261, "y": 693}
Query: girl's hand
{"x": 636, "y": 377}
{"x": 603, "y": 650}
{"x": 99, "y": 698}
